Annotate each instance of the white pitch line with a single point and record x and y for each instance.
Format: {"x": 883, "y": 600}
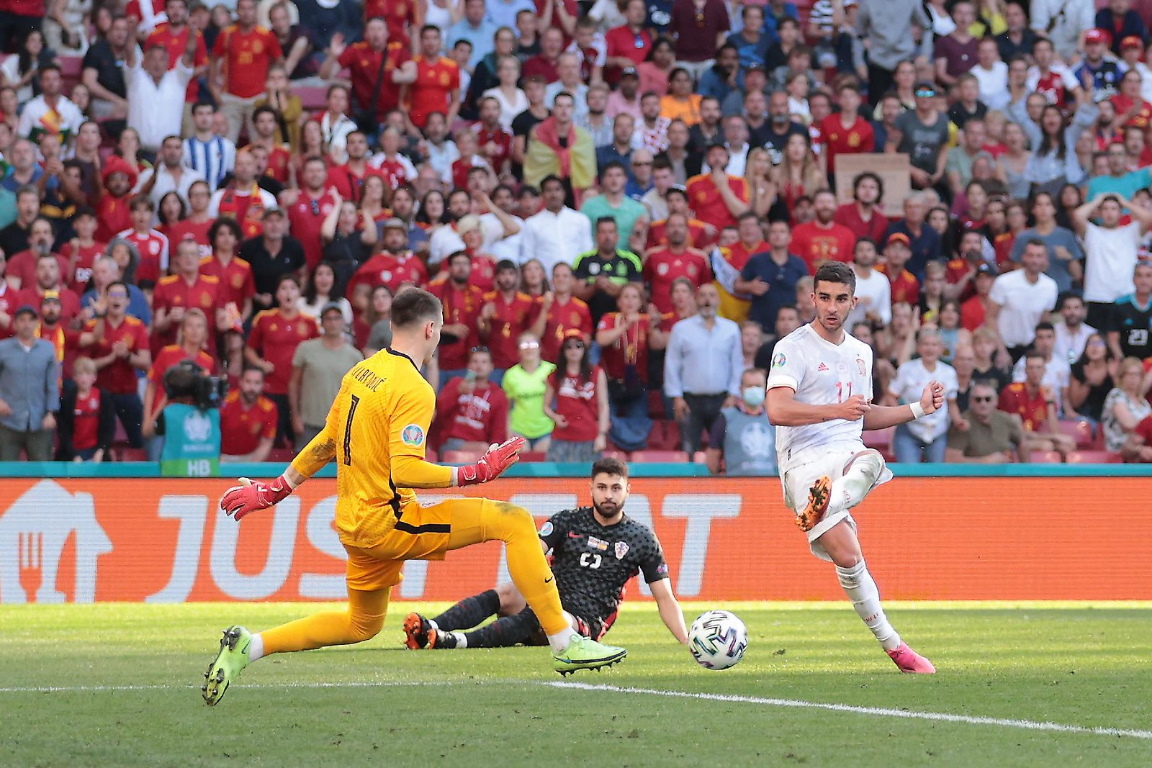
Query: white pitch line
{"x": 1030, "y": 725}
{"x": 262, "y": 686}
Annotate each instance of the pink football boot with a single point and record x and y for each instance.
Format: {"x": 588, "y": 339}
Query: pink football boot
{"x": 909, "y": 661}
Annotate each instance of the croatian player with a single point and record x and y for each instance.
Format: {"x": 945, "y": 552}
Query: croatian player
{"x": 819, "y": 393}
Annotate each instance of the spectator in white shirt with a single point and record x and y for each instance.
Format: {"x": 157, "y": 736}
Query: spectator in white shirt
{"x": 924, "y": 439}
{"x": 1020, "y": 298}
{"x": 1072, "y": 332}
{"x": 156, "y": 93}
{"x": 336, "y": 124}
{"x": 991, "y": 74}
{"x": 440, "y": 150}
{"x": 1057, "y": 371}
{"x": 169, "y": 175}
{"x": 873, "y": 289}
{"x": 557, "y": 233}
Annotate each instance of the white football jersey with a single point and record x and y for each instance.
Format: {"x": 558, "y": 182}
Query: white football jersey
{"x": 821, "y": 373}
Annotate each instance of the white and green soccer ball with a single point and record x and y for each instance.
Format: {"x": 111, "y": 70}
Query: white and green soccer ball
{"x": 718, "y": 639}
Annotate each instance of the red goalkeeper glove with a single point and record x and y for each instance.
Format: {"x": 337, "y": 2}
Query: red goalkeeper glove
{"x": 249, "y": 496}
{"x": 492, "y": 464}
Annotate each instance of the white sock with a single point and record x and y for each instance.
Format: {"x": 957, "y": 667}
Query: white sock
{"x": 851, "y": 488}
{"x": 255, "y": 648}
{"x": 560, "y": 640}
{"x": 865, "y": 597}
{"x": 461, "y": 639}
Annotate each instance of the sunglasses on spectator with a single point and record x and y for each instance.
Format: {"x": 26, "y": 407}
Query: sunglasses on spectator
{"x": 925, "y": 93}
{"x": 529, "y": 345}
{"x": 117, "y": 294}
{"x": 983, "y": 399}
{"x": 478, "y": 349}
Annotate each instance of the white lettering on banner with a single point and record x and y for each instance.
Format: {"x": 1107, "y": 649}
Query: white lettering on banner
{"x": 541, "y": 506}
{"x": 699, "y": 510}
{"x": 33, "y": 531}
{"x": 321, "y": 531}
{"x": 192, "y": 512}
{"x": 277, "y": 564}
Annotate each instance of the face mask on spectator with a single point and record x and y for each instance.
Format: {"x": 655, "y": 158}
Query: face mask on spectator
{"x": 754, "y": 396}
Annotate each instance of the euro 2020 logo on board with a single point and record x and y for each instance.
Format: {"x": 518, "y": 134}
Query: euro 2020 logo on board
{"x": 34, "y": 530}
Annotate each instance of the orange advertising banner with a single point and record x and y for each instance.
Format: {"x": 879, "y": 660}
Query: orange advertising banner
{"x": 165, "y": 540}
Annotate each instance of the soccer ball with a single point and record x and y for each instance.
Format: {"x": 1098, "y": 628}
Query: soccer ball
{"x": 717, "y": 640}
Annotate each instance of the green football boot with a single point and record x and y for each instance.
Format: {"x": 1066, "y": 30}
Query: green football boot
{"x": 585, "y": 653}
{"x": 229, "y": 663}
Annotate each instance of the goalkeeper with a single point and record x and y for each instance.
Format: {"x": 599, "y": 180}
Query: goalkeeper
{"x": 376, "y": 433}
{"x": 595, "y": 551}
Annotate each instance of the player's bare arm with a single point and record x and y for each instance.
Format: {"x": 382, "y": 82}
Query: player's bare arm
{"x": 669, "y": 608}
{"x": 785, "y": 410}
{"x": 882, "y": 417}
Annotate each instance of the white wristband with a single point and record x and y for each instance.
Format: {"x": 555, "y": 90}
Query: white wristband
{"x": 917, "y": 411}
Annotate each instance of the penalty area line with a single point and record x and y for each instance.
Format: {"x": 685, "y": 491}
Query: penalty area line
{"x": 1029, "y": 725}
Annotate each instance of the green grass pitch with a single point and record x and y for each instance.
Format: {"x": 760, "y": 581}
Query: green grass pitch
{"x": 1018, "y": 684}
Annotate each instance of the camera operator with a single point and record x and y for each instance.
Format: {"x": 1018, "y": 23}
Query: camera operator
{"x": 191, "y": 421}
{"x": 190, "y": 345}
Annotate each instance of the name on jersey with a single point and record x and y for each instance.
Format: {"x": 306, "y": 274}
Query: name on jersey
{"x": 369, "y": 379}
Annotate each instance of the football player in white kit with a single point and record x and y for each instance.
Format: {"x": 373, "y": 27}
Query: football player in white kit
{"x": 819, "y": 398}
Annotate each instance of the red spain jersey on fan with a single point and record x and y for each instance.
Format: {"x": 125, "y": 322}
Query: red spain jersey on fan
{"x": 247, "y": 58}
{"x": 305, "y": 217}
{"x": 235, "y": 280}
{"x": 399, "y": 15}
{"x": 461, "y": 307}
{"x": 118, "y": 377}
{"x": 858, "y": 138}
{"x": 434, "y": 81}
{"x": 153, "y": 248}
{"x": 86, "y": 421}
{"x": 363, "y": 62}
{"x": 500, "y": 137}
{"x": 571, "y": 315}
{"x": 697, "y": 234}
{"x": 197, "y": 231}
{"x": 390, "y": 270}
{"x": 173, "y": 291}
{"x": 171, "y": 355}
{"x": 81, "y": 258}
{"x": 241, "y": 430}
{"x": 394, "y": 171}
{"x": 708, "y": 205}
{"x": 662, "y": 267}
{"x": 905, "y": 286}
{"x": 279, "y": 164}
{"x": 1032, "y": 409}
{"x": 113, "y": 216}
{"x": 631, "y": 349}
{"x": 512, "y": 318}
{"x": 1051, "y": 87}
{"x": 276, "y": 338}
{"x": 11, "y": 300}
{"x": 175, "y": 45}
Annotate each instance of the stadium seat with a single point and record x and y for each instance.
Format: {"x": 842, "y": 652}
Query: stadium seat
{"x": 1093, "y": 457}
{"x": 281, "y": 455}
{"x": 700, "y": 457}
{"x": 1045, "y": 457}
{"x": 132, "y": 454}
{"x": 311, "y": 97}
{"x": 664, "y": 436}
{"x": 461, "y": 457}
{"x": 71, "y": 67}
{"x": 659, "y": 457}
{"x": 533, "y": 456}
{"x": 1080, "y": 430}
{"x": 615, "y": 454}
{"x": 656, "y": 404}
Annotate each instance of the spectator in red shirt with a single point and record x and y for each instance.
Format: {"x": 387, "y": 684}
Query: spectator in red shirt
{"x": 905, "y": 286}
{"x": 272, "y": 344}
{"x": 864, "y": 215}
{"x": 379, "y": 67}
{"x": 973, "y": 311}
{"x": 664, "y": 264}
{"x": 1138, "y": 447}
{"x": 21, "y": 271}
{"x": 625, "y": 338}
{"x": 393, "y": 266}
{"x": 462, "y": 303}
{"x": 436, "y": 85}
{"x": 717, "y": 198}
{"x": 241, "y": 58}
{"x": 507, "y": 313}
{"x": 112, "y": 208}
{"x": 628, "y": 45}
{"x": 562, "y": 313}
{"x": 494, "y": 143}
{"x": 247, "y": 420}
{"x": 822, "y": 239}
{"x": 698, "y": 29}
{"x": 579, "y": 392}
{"x": 846, "y": 132}
{"x": 119, "y": 348}
{"x": 472, "y": 410}
{"x": 48, "y": 280}
{"x": 190, "y": 345}
{"x": 346, "y": 180}
{"x": 86, "y": 424}
{"x": 1035, "y": 404}
{"x": 181, "y": 291}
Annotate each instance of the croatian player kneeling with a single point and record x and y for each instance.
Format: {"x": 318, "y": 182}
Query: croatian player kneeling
{"x": 819, "y": 398}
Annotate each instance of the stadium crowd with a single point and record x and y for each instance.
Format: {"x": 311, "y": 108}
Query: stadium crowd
{"x": 619, "y": 203}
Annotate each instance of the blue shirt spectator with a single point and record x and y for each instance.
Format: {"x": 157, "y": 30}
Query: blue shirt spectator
{"x": 502, "y": 13}
{"x": 477, "y": 30}
{"x": 29, "y": 391}
{"x": 781, "y": 270}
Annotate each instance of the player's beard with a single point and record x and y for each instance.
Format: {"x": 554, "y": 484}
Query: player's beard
{"x": 608, "y": 510}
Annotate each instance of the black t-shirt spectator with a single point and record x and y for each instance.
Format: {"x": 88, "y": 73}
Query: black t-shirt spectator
{"x": 959, "y": 115}
{"x": 13, "y": 239}
{"x": 307, "y": 66}
{"x": 1009, "y": 49}
{"x": 522, "y": 125}
{"x": 109, "y": 69}
{"x": 768, "y": 137}
{"x": 346, "y": 253}
{"x": 1093, "y": 405}
{"x": 267, "y": 269}
{"x": 623, "y": 267}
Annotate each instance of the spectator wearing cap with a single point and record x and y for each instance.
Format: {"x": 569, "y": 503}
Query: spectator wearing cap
{"x": 65, "y": 340}
{"x": 29, "y": 391}
{"x": 318, "y": 366}
{"x": 922, "y": 134}
{"x": 576, "y": 400}
{"x": 770, "y": 277}
{"x": 1102, "y": 69}
{"x": 703, "y": 364}
{"x": 1131, "y": 53}
{"x": 1116, "y": 21}
{"x": 975, "y": 308}
{"x": 472, "y": 410}
{"x": 393, "y": 266}
{"x": 113, "y": 207}
{"x": 556, "y": 234}
{"x": 905, "y": 288}
{"x": 505, "y": 315}
{"x": 626, "y": 98}
{"x": 247, "y": 420}
{"x": 627, "y": 45}
{"x": 923, "y": 241}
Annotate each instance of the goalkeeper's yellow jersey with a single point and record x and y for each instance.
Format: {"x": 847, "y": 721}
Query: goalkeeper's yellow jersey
{"x": 378, "y": 426}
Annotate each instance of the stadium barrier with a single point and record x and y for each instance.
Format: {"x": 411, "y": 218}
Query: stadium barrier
{"x": 1042, "y": 537}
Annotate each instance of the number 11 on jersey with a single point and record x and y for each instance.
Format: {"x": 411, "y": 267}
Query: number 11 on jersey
{"x": 843, "y": 391}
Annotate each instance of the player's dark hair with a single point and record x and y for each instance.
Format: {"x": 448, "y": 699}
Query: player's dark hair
{"x": 415, "y": 306}
{"x": 610, "y": 466}
{"x": 835, "y": 272}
